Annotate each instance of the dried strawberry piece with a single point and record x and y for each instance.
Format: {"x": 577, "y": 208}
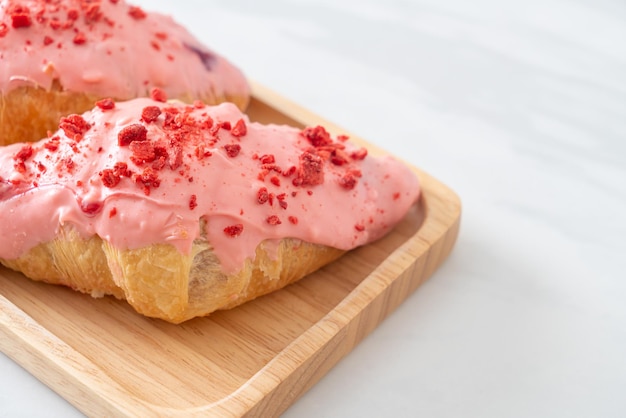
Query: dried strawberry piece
{"x": 52, "y": 144}
{"x": 267, "y": 159}
{"x": 47, "y": 40}
{"x": 131, "y": 133}
{"x": 20, "y": 16}
{"x": 175, "y": 152}
{"x": 80, "y": 38}
{"x": 311, "y": 170}
{"x": 74, "y": 127}
{"x": 317, "y": 136}
{"x": 93, "y": 13}
{"x": 273, "y": 220}
{"x": 24, "y": 153}
{"x": 4, "y": 29}
{"x": 121, "y": 169}
{"x": 349, "y": 180}
{"x": 338, "y": 157}
{"x": 110, "y": 178}
{"x": 147, "y": 179}
{"x": 293, "y": 220}
{"x": 262, "y": 195}
{"x": 193, "y": 202}
{"x": 232, "y": 150}
{"x": 150, "y": 113}
{"x": 359, "y": 154}
{"x": 158, "y": 95}
{"x": 136, "y": 12}
{"x": 143, "y": 152}
{"x": 106, "y": 104}
{"x": 240, "y": 129}
{"x": 233, "y": 230}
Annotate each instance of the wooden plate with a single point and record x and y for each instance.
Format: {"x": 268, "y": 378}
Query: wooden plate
{"x": 254, "y": 360}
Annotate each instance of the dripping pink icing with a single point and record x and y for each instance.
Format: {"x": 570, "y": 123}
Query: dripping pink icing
{"x": 250, "y": 182}
{"x": 107, "y": 48}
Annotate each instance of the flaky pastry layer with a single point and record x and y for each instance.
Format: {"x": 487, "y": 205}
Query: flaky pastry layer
{"x": 160, "y": 282}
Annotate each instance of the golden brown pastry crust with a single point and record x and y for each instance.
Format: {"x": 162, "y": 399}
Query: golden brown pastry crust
{"x": 160, "y": 282}
{"x": 28, "y": 113}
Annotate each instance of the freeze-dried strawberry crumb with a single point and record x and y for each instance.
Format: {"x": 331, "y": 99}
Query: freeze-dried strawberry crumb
{"x": 175, "y": 153}
{"x": 147, "y": 179}
{"x": 273, "y": 220}
{"x": 20, "y": 16}
{"x": 290, "y": 171}
{"x": 232, "y": 150}
{"x": 158, "y": 95}
{"x": 359, "y": 227}
{"x": 47, "y": 40}
{"x": 233, "y": 230}
{"x": 267, "y": 159}
{"x": 131, "y": 133}
{"x": 281, "y": 200}
{"x": 338, "y": 157}
{"x": 349, "y": 180}
{"x": 262, "y": 195}
{"x": 4, "y": 29}
{"x": 136, "y": 12}
{"x": 25, "y": 152}
{"x": 150, "y": 113}
{"x": 359, "y": 154}
{"x": 317, "y": 136}
{"x": 74, "y": 127}
{"x": 293, "y": 220}
{"x": 143, "y": 152}
{"x": 106, "y": 104}
{"x": 225, "y": 125}
{"x": 52, "y": 144}
{"x": 112, "y": 212}
{"x": 110, "y": 178}
{"x": 396, "y": 196}
{"x": 240, "y": 129}
{"x": 193, "y": 202}
{"x": 80, "y": 38}
{"x": 121, "y": 169}
{"x": 311, "y": 170}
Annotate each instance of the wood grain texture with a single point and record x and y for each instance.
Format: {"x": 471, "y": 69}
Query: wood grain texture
{"x": 254, "y": 360}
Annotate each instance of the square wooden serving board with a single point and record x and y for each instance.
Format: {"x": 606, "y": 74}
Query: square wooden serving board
{"x": 254, "y": 360}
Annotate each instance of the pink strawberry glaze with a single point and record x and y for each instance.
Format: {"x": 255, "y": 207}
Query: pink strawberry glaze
{"x": 41, "y": 194}
{"x": 122, "y": 56}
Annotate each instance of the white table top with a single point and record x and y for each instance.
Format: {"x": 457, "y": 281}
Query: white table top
{"x": 520, "y": 107}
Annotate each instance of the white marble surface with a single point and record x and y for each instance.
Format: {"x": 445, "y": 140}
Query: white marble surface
{"x": 520, "y": 107}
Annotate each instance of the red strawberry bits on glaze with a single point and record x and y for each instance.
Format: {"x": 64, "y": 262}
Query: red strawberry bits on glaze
{"x": 74, "y": 127}
{"x": 105, "y": 104}
{"x": 239, "y": 129}
{"x": 234, "y": 230}
{"x": 150, "y": 113}
{"x": 232, "y": 150}
{"x": 131, "y": 133}
{"x": 311, "y": 170}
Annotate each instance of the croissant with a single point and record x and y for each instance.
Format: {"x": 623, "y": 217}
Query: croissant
{"x": 59, "y": 57}
{"x": 183, "y": 210}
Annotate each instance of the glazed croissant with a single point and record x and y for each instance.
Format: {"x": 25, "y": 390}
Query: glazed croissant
{"x": 59, "y": 57}
{"x": 186, "y": 209}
